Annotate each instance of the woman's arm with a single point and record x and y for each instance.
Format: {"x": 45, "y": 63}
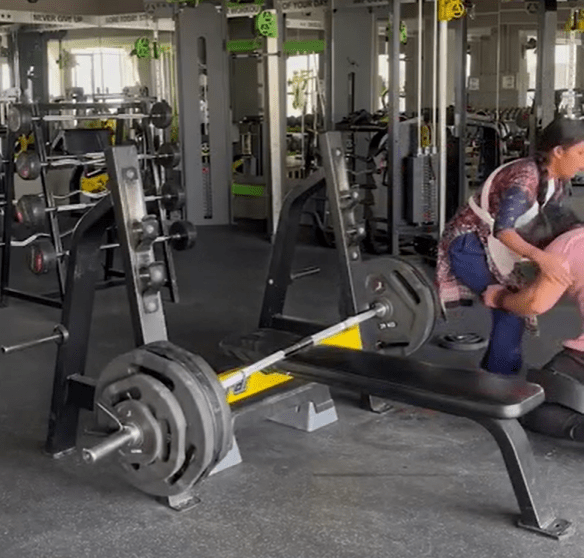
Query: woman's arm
{"x": 551, "y": 265}
{"x": 537, "y": 298}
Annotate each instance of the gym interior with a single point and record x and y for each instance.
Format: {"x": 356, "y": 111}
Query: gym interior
{"x": 221, "y": 335}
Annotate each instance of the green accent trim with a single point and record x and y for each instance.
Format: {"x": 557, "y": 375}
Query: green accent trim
{"x": 244, "y": 45}
{"x": 257, "y": 191}
{"x": 304, "y": 47}
{"x": 240, "y": 5}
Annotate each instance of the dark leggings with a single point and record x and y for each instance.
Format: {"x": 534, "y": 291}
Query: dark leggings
{"x": 468, "y": 262}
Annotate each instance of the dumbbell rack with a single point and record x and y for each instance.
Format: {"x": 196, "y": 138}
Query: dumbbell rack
{"x": 112, "y": 277}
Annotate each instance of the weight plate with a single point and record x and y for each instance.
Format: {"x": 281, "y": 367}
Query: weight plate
{"x": 41, "y": 256}
{"x": 183, "y": 235}
{"x": 201, "y": 446}
{"x": 411, "y": 297}
{"x": 20, "y": 120}
{"x": 462, "y": 341}
{"x": 28, "y": 165}
{"x": 161, "y": 115}
{"x": 155, "y": 476}
{"x": 173, "y": 195}
{"x": 214, "y": 390}
{"x": 168, "y": 155}
{"x": 30, "y": 211}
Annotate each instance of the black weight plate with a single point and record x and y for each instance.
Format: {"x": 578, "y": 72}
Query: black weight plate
{"x": 151, "y": 477}
{"x": 28, "y": 165}
{"x": 19, "y": 120}
{"x": 200, "y": 440}
{"x": 173, "y": 195}
{"x": 208, "y": 377}
{"x": 41, "y": 256}
{"x": 168, "y": 155}
{"x": 183, "y": 235}
{"x": 462, "y": 341}
{"x": 161, "y": 115}
{"x": 412, "y": 299}
{"x": 30, "y": 210}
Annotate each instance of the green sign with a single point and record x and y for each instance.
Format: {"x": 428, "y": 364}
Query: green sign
{"x": 144, "y": 48}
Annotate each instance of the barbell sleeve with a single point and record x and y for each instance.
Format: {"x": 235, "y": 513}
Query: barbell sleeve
{"x": 129, "y": 435}
{"x": 60, "y": 335}
{"x": 378, "y": 310}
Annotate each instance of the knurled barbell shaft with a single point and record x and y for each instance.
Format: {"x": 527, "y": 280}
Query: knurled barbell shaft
{"x": 76, "y": 206}
{"x": 378, "y": 310}
{"x": 164, "y": 238}
{"x": 129, "y": 435}
{"x": 63, "y": 160}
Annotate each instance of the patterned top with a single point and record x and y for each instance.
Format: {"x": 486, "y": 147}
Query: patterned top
{"x": 513, "y": 191}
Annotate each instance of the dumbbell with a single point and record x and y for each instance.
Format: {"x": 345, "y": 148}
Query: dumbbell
{"x": 28, "y": 163}
{"x": 30, "y": 209}
{"x": 42, "y": 257}
{"x": 20, "y": 118}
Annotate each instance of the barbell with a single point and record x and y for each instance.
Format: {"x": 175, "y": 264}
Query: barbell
{"x": 162, "y": 392}
{"x": 30, "y": 209}
{"x": 42, "y": 256}
{"x": 20, "y": 117}
{"x": 28, "y": 164}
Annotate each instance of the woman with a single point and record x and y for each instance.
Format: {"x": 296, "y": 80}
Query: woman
{"x": 518, "y": 211}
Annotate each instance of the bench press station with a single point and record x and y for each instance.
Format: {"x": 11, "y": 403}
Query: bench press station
{"x": 166, "y": 413}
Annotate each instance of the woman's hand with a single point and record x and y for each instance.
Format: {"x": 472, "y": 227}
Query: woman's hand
{"x": 555, "y": 267}
{"x": 492, "y": 295}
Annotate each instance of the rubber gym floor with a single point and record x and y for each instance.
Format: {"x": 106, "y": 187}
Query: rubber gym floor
{"x": 409, "y": 483}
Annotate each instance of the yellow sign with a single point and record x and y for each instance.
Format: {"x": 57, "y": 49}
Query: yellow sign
{"x": 450, "y": 9}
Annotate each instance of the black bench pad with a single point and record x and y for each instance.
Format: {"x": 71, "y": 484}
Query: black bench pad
{"x": 469, "y": 393}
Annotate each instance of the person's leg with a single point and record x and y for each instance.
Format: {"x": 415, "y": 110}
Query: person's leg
{"x": 468, "y": 263}
{"x": 555, "y": 420}
{"x": 504, "y": 351}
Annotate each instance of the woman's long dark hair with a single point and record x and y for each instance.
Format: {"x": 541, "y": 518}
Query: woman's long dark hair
{"x": 562, "y": 132}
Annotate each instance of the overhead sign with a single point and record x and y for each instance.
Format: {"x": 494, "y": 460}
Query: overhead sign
{"x": 304, "y": 24}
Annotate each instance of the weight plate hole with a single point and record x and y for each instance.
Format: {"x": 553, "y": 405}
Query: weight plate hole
{"x": 189, "y": 454}
{"x": 406, "y": 285}
{"x": 166, "y": 436}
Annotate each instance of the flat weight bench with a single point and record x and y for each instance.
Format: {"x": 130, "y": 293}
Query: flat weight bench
{"x": 494, "y": 402}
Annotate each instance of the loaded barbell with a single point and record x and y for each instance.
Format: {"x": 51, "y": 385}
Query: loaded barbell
{"x": 20, "y": 117}
{"x": 162, "y": 392}
{"x": 42, "y": 256}
{"x": 28, "y": 164}
{"x": 30, "y": 209}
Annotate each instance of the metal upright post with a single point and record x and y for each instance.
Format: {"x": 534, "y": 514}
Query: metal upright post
{"x": 460, "y": 105}
{"x": 546, "y": 47}
{"x": 8, "y": 165}
{"x": 443, "y": 75}
{"x": 394, "y": 174}
{"x": 275, "y": 99}
{"x": 202, "y": 55}
{"x": 137, "y": 233}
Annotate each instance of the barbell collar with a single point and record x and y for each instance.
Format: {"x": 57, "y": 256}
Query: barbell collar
{"x": 129, "y": 435}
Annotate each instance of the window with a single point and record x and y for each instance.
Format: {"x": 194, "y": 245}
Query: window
{"x": 103, "y": 70}
{"x": 302, "y": 84}
{"x": 563, "y": 79}
{"x": 5, "y": 81}
{"x": 383, "y": 73}
{"x": 106, "y": 70}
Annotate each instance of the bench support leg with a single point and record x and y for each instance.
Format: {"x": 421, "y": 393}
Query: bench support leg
{"x": 531, "y": 496}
